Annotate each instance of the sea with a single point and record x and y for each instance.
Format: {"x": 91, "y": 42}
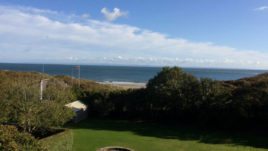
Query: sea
{"x": 125, "y": 74}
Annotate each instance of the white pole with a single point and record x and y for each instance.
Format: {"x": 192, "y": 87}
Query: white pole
{"x": 41, "y": 90}
{"x": 43, "y": 84}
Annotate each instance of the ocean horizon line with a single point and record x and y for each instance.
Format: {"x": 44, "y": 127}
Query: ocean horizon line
{"x": 125, "y": 65}
{"x": 138, "y": 74}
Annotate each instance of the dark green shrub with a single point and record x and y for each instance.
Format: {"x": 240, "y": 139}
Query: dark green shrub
{"x": 13, "y": 140}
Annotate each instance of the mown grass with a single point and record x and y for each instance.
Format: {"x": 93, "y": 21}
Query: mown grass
{"x": 93, "y": 134}
{"x": 62, "y": 141}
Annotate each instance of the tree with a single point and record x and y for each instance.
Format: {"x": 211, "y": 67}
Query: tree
{"x": 213, "y": 102}
{"x": 173, "y": 92}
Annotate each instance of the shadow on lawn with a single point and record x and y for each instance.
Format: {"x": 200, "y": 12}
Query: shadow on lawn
{"x": 259, "y": 140}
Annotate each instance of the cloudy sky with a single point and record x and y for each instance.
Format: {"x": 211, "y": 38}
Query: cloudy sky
{"x": 187, "y": 33}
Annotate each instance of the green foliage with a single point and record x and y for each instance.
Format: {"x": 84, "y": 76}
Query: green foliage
{"x": 20, "y": 101}
{"x": 171, "y": 95}
{"x": 173, "y": 91}
{"x": 178, "y": 96}
{"x": 13, "y": 140}
{"x": 249, "y": 99}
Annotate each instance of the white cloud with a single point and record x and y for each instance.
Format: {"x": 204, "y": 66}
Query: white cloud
{"x": 261, "y": 8}
{"x": 112, "y": 15}
{"x": 85, "y": 16}
{"x": 35, "y": 36}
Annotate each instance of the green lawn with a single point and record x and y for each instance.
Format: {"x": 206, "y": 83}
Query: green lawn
{"x": 93, "y": 134}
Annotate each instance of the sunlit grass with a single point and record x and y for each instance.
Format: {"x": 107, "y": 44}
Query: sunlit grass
{"x": 93, "y": 134}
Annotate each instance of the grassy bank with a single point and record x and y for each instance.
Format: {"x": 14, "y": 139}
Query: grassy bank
{"x": 59, "y": 142}
{"x": 92, "y": 134}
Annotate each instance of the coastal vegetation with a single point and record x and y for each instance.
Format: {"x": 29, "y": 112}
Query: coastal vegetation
{"x": 176, "y": 96}
{"x": 171, "y": 101}
{"x": 13, "y": 140}
{"x": 25, "y": 118}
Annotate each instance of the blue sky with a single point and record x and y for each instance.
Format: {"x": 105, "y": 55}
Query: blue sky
{"x": 207, "y": 33}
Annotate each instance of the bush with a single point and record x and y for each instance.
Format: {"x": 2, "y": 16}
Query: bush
{"x": 13, "y": 140}
{"x": 180, "y": 97}
{"x": 20, "y": 103}
{"x": 173, "y": 93}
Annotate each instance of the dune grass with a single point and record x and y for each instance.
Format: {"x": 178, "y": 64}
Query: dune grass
{"x": 93, "y": 134}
